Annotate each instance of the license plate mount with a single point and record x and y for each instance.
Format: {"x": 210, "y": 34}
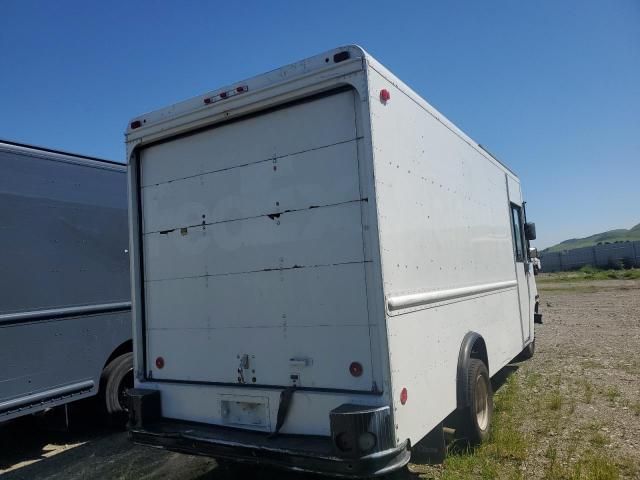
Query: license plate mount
{"x": 245, "y": 411}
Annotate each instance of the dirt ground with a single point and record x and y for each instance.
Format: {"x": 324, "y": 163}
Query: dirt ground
{"x": 587, "y": 369}
{"x": 577, "y": 410}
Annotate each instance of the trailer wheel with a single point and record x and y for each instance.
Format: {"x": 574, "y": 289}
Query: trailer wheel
{"x": 474, "y": 421}
{"x": 116, "y": 379}
{"x": 528, "y": 351}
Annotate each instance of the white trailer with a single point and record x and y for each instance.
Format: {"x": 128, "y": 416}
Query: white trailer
{"x": 324, "y": 268}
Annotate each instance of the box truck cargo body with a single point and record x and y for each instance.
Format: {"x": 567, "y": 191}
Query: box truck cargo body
{"x": 65, "y": 310}
{"x": 320, "y": 263}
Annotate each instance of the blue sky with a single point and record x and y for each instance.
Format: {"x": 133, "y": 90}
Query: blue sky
{"x": 550, "y": 87}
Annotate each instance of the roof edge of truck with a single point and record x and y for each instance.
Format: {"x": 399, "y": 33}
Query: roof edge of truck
{"x": 30, "y": 148}
{"x": 326, "y": 61}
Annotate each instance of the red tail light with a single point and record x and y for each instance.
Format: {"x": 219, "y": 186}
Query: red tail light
{"x": 404, "y": 396}
{"x": 160, "y": 362}
{"x": 355, "y": 369}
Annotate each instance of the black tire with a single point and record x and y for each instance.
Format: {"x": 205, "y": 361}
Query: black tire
{"x": 528, "y": 351}
{"x": 116, "y": 379}
{"x": 474, "y": 421}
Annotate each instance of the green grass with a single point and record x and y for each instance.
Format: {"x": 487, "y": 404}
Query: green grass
{"x": 554, "y": 401}
{"x": 598, "y": 467}
{"x": 589, "y": 467}
{"x": 598, "y": 440}
{"x": 582, "y": 455}
{"x": 588, "y": 391}
{"x": 612, "y": 394}
{"x": 502, "y": 455}
{"x": 589, "y": 273}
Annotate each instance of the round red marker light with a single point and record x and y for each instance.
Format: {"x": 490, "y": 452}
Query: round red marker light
{"x": 355, "y": 369}
{"x": 385, "y": 96}
{"x": 160, "y": 362}
{"x": 404, "y": 396}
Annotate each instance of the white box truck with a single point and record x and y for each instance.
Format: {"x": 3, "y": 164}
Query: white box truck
{"x": 324, "y": 268}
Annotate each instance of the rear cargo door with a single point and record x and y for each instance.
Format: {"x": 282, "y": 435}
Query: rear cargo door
{"x": 253, "y": 251}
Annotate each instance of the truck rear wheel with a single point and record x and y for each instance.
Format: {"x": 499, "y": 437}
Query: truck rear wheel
{"x": 474, "y": 421}
{"x": 116, "y": 379}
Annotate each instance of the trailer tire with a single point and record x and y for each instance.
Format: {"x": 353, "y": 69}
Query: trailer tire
{"x": 474, "y": 420}
{"x": 116, "y": 379}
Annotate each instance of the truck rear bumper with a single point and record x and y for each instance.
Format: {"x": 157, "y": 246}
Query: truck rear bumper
{"x": 314, "y": 454}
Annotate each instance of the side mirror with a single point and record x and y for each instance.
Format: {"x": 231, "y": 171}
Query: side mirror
{"x": 530, "y": 230}
{"x": 533, "y": 252}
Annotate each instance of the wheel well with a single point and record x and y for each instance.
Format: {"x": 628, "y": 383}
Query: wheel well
{"x": 479, "y": 351}
{"x": 473, "y": 346}
{"x": 123, "y": 348}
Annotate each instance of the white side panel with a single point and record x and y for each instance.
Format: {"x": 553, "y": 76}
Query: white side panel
{"x": 442, "y": 206}
{"x": 424, "y": 348}
{"x": 444, "y": 230}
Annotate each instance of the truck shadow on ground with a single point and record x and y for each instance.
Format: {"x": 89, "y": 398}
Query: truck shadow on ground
{"x": 501, "y": 377}
{"x": 28, "y": 440}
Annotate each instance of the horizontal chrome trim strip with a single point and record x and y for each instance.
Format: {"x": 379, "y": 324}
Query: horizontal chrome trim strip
{"x": 417, "y": 299}
{"x": 63, "y": 312}
{"x": 47, "y": 395}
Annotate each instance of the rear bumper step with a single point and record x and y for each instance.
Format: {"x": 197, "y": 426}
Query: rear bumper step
{"x": 314, "y": 454}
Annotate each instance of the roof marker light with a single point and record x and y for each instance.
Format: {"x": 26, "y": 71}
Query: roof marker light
{"x": 225, "y": 95}
{"x": 341, "y": 57}
{"x": 136, "y": 124}
{"x": 385, "y": 96}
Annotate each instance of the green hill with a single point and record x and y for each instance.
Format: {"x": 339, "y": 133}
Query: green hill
{"x": 619, "y": 235}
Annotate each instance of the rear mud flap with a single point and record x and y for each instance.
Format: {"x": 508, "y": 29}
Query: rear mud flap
{"x": 431, "y": 449}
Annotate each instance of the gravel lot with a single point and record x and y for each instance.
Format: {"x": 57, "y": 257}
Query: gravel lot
{"x": 580, "y": 396}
